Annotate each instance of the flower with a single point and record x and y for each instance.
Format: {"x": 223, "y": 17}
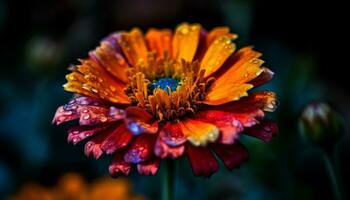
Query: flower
{"x": 164, "y": 95}
{"x": 320, "y": 125}
{"x": 72, "y": 186}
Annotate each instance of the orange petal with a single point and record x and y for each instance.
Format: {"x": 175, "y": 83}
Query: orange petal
{"x": 199, "y": 133}
{"x": 185, "y": 42}
{"x": 226, "y": 92}
{"x": 219, "y": 31}
{"x": 112, "y": 61}
{"x": 133, "y": 46}
{"x": 91, "y": 79}
{"x": 159, "y": 41}
{"x": 217, "y": 53}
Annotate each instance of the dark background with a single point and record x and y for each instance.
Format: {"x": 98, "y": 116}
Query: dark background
{"x": 304, "y": 42}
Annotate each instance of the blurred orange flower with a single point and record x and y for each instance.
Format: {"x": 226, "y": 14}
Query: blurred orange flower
{"x": 146, "y": 98}
{"x": 73, "y": 187}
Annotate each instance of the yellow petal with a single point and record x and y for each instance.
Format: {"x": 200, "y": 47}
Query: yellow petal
{"x": 199, "y": 133}
{"x": 226, "y": 92}
{"x": 217, "y": 53}
{"x": 185, "y": 42}
{"x": 133, "y": 46}
{"x": 159, "y": 41}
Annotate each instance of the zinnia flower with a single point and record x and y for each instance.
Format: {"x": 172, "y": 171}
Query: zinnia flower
{"x": 147, "y": 98}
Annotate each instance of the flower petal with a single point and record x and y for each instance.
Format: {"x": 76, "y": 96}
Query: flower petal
{"x": 232, "y": 155}
{"x": 117, "y": 139}
{"x": 242, "y": 56}
{"x": 118, "y": 165}
{"x": 264, "y": 100}
{"x": 217, "y": 32}
{"x": 185, "y": 41}
{"x": 90, "y": 79}
{"x": 149, "y": 167}
{"x": 264, "y": 77}
{"x": 63, "y": 115}
{"x": 265, "y": 131}
{"x": 141, "y": 149}
{"x": 202, "y": 160}
{"x": 70, "y": 111}
{"x": 159, "y": 41}
{"x": 217, "y": 53}
{"x": 89, "y": 111}
{"x": 111, "y": 60}
{"x": 171, "y": 133}
{"x": 133, "y": 46}
{"x": 79, "y": 133}
{"x": 222, "y": 93}
{"x": 162, "y": 150}
{"x": 92, "y": 115}
{"x": 140, "y": 121}
{"x": 94, "y": 146}
{"x": 228, "y": 125}
{"x": 199, "y": 133}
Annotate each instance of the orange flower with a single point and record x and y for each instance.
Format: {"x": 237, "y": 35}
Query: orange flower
{"x": 72, "y": 186}
{"x": 146, "y": 98}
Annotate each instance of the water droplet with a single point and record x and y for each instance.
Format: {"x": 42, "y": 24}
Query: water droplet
{"x": 94, "y": 90}
{"x": 235, "y": 123}
{"x": 68, "y": 113}
{"x": 184, "y": 30}
{"x": 103, "y": 119}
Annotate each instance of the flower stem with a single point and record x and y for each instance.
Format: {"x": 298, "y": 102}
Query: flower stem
{"x": 168, "y": 179}
{"x": 329, "y": 162}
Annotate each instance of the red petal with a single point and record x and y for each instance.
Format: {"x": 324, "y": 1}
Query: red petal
{"x": 90, "y": 111}
{"x": 63, "y": 115}
{"x": 117, "y": 138}
{"x": 140, "y": 121}
{"x": 141, "y": 149}
{"x": 171, "y": 133}
{"x": 78, "y": 133}
{"x": 162, "y": 150}
{"x": 202, "y": 161}
{"x": 228, "y": 125}
{"x": 92, "y": 115}
{"x": 232, "y": 155}
{"x": 93, "y": 146}
{"x": 119, "y": 166}
{"x": 264, "y": 131}
{"x": 149, "y": 167}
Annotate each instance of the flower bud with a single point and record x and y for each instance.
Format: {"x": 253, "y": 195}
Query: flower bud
{"x": 320, "y": 125}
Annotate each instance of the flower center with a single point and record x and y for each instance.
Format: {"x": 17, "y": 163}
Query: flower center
{"x": 166, "y": 88}
{"x": 165, "y": 84}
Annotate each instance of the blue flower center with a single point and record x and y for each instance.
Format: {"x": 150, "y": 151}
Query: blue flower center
{"x": 164, "y": 83}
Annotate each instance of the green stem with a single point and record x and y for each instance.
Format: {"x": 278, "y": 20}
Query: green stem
{"x": 168, "y": 179}
{"x": 332, "y": 176}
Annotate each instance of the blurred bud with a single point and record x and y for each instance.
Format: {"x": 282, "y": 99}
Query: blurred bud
{"x": 320, "y": 125}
